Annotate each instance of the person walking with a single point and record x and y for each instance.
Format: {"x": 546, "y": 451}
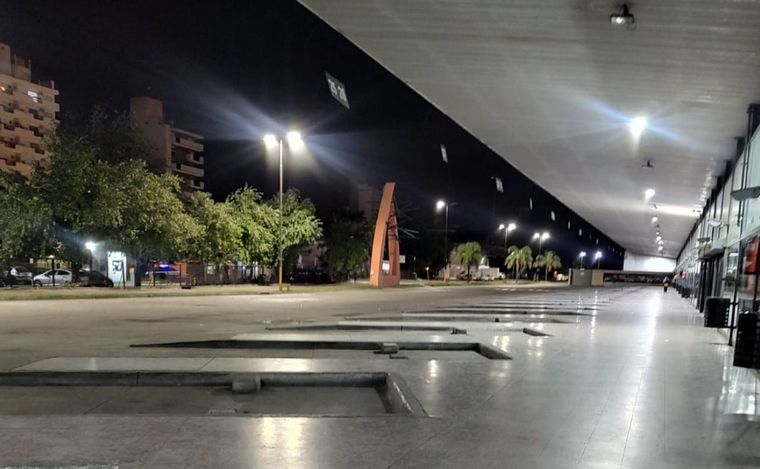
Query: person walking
{"x": 665, "y": 284}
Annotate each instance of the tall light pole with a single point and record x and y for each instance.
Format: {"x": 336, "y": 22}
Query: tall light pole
{"x": 443, "y": 205}
{"x": 541, "y": 237}
{"x": 295, "y": 143}
{"x": 582, "y": 256}
{"x": 598, "y": 258}
{"x": 507, "y": 228}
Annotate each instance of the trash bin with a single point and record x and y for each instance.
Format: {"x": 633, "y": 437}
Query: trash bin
{"x": 747, "y": 348}
{"x": 716, "y": 312}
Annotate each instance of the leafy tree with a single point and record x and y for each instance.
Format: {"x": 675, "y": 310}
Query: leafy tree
{"x": 469, "y": 254}
{"x": 519, "y": 259}
{"x": 347, "y": 240}
{"x": 258, "y": 223}
{"x": 300, "y": 226}
{"x": 549, "y": 260}
{"x": 122, "y": 203}
{"x": 25, "y": 220}
{"x": 218, "y": 238}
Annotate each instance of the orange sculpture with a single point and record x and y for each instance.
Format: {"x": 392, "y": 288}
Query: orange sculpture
{"x": 386, "y": 237}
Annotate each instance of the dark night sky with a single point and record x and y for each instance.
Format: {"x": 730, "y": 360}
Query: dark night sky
{"x": 233, "y": 70}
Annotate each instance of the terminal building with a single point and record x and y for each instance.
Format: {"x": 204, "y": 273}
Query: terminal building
{"x": 28, "y": 114}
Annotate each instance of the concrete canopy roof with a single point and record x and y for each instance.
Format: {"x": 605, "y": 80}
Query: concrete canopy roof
{"x": 551, "y": 86}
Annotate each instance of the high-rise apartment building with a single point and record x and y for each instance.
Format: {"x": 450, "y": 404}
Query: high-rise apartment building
{"x": 175, "y": 150}
{"x": 28, "y": 113}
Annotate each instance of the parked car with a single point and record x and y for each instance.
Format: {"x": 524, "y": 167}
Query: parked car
{"x": 93, "y": 278}
{"x": 15, "y": 275}
{"x": 53, "y": 278}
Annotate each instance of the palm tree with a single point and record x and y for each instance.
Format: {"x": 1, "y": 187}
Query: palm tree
{"x": 469, "y": 254}
{"x": 520, "y": 259}
{"x": 549, "y": 260}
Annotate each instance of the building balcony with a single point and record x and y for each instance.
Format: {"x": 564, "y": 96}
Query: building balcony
{"x": 194, "y": 158}
{"x": 186, "y": 169}
{"x": 189, "y": 143}
{"x": 197, "y": 185}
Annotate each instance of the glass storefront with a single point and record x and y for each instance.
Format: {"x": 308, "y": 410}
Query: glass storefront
{"x": 720, "y": 258}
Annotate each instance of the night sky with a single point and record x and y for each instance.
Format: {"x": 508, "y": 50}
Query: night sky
{"x": 231, "y": 71}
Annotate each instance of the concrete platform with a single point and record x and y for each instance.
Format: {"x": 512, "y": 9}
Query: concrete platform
{"x": 639, "y": 385}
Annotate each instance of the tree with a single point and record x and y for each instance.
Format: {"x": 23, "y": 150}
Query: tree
{"x": 469, "y": 254}
{"x": 347, "y": 241}
{"x": 549, "y": 260}
{"x": 519, "y": 258}
{"x": 122, "y": 203}
{"x": 218, "y": 239}
{"x": 258, "y": 224}
{"x": 25, "y": 220}
{"x": 300, "y": 226}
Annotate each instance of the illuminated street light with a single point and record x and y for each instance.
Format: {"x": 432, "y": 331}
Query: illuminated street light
{"x": 582, "y": 257}
{"x": 271, "y": 141}
{"x": 507, "y": 228}
{"x": 295, "y": 143}
{"x": 90, "y": 246}
{"x": 541, "y": 237}
{"x": 598, "y": 258}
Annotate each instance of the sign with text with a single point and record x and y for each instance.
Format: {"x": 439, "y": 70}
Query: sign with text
{"x": 337, "y": 90}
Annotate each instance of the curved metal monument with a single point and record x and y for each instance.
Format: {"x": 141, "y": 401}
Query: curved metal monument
{"x": 386, "y": 238}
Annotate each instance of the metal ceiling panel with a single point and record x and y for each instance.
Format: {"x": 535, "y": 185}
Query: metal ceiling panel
{"x": 550, "y": 86}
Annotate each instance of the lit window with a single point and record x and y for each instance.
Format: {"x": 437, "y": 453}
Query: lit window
{"x": 34, "y": 95}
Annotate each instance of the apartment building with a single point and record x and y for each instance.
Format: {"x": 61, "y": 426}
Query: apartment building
{"x": 28, "y": 113}
{"x": 174, "y": 150}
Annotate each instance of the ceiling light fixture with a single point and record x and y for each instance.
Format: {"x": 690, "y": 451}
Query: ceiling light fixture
{"x": 649, "y": 193}
{"x": 654, "y": 219}
{"x": 623, "y": 18}
{"x": 647, "y": 164}
{"x": 637, "y": 126}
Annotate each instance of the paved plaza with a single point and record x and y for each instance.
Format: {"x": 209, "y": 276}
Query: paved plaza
{"x": 592, "y": 378}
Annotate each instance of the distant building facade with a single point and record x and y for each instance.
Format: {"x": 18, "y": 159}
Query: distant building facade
{"x": 365, "y": 199}
{"x": 28, "y": 114}
{"x": 174, "y": 150}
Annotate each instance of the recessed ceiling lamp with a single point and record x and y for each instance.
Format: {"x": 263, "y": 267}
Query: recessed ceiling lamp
{"x": 623, "y": 18}
{"x": 649, "y": 193}
{"x": 637, "y": 126}
{"x": 654, "y": 219}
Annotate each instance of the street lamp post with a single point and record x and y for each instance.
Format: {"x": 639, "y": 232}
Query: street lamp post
{"x": 598, "y": 258}
{"x": 442, "y": 205}
{"x": 541, "y": 237}
{"x": 295, "y": 142}
{"x": 507, "y": 228}
{"x": 582, "y": 255}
